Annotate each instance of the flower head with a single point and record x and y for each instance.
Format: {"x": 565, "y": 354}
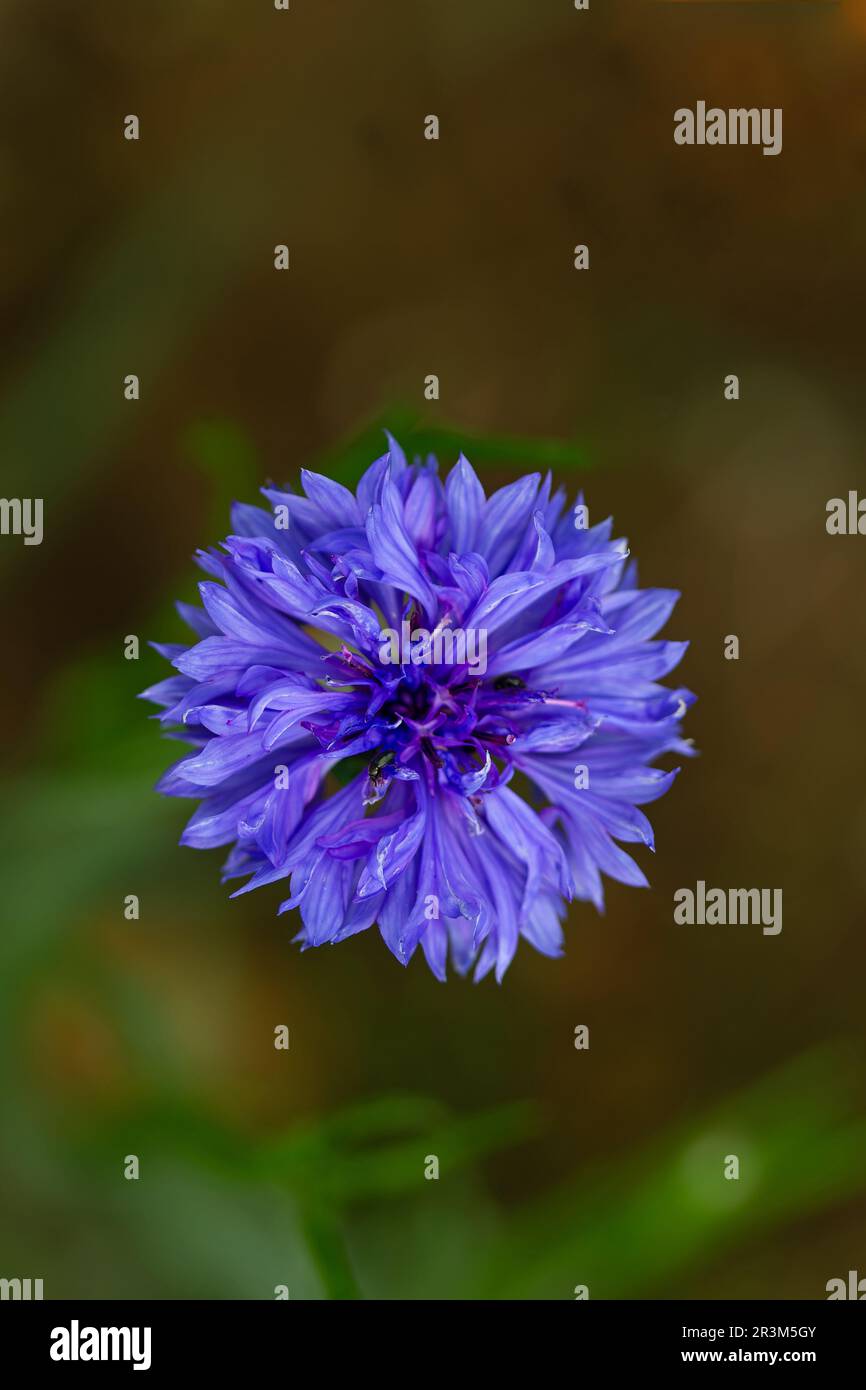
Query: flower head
{"x": 424, "y": 708}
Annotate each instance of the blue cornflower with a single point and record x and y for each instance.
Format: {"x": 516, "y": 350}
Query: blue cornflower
{"x": 476, "y": 675}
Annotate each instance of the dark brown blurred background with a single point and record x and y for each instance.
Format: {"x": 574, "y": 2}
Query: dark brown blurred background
{"x": 454, "y": 257}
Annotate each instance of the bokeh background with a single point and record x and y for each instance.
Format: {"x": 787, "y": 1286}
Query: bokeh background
{"x": 558, "y": 1167}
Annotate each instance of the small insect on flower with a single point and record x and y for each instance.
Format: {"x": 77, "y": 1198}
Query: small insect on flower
{"x": 425, "y": 708}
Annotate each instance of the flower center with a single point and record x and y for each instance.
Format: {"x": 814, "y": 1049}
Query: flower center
{"x": 456, "y": 727}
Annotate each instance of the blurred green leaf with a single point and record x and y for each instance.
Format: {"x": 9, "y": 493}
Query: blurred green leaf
{"x": 229, "y": 460}
{"x": 336, "y": 1161}
{"x": 801, "y": 1139}
{"x": 348, "y": 460}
